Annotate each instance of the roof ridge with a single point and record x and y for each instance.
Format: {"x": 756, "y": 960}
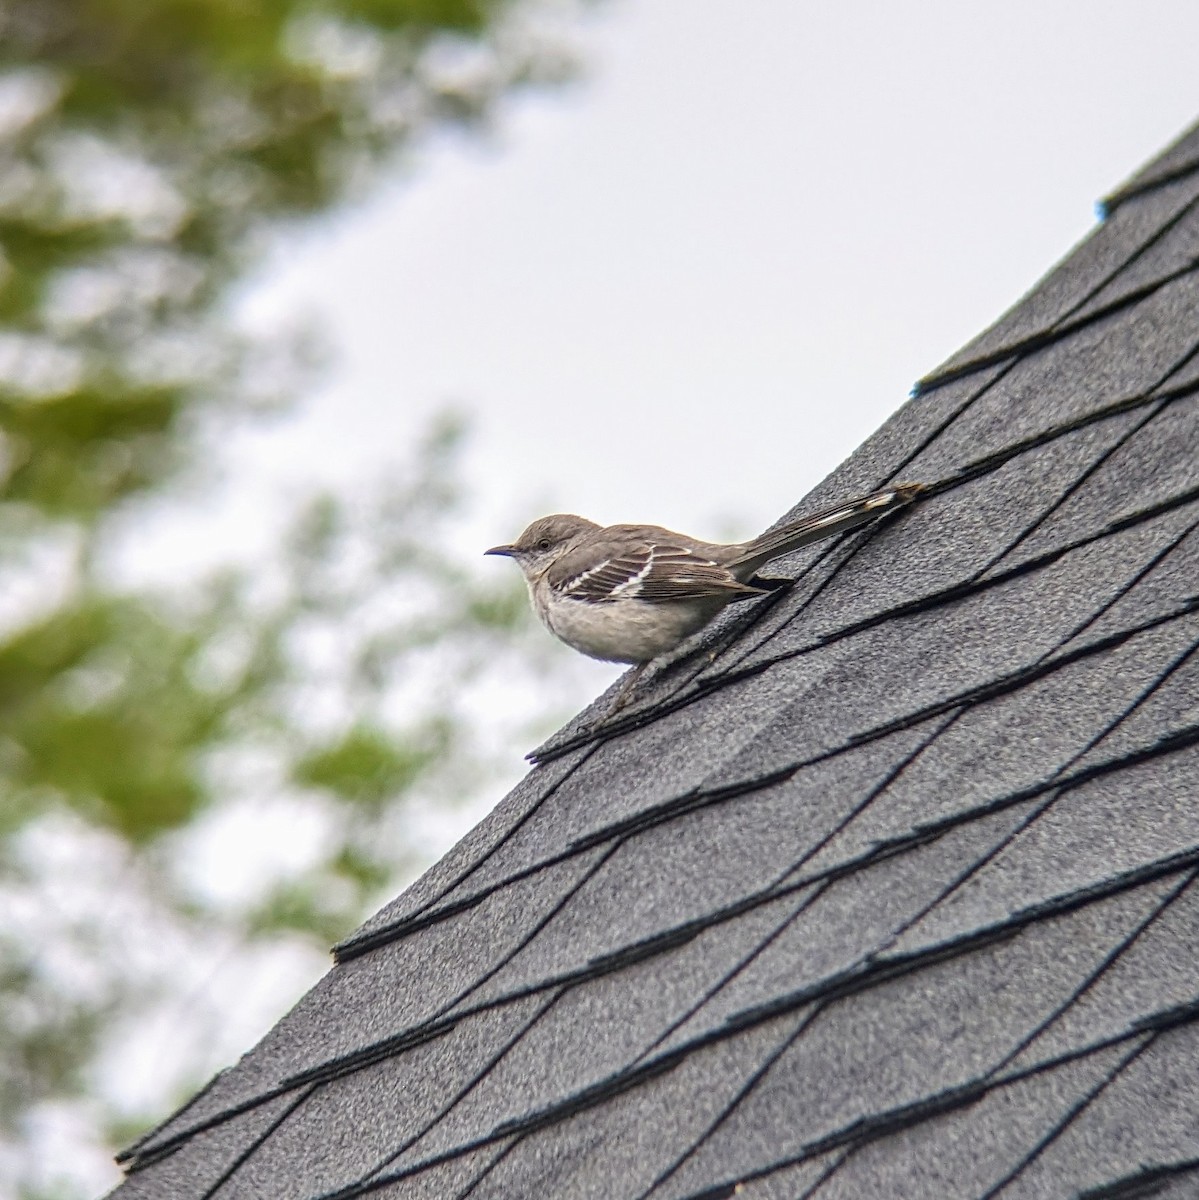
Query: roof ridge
{"x": 1062, "y": 328}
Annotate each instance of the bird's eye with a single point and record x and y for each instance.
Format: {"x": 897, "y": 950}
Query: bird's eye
{"x": 544, "y": 544}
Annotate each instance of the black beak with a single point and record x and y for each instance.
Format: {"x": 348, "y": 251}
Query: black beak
{"x": 507, "y": 551}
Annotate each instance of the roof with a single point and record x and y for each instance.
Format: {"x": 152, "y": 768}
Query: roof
{"x": 887, "y": 890}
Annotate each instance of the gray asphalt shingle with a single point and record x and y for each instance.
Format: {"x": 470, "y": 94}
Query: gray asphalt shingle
{"x": 1179, "y": 159}
{"x": 967, "y": 1152}
{"x": 1146, "y": 1117}
{"x": 886, "y": 890}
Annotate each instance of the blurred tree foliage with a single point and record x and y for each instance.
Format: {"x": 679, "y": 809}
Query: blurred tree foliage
{"x": 149, "y": 149}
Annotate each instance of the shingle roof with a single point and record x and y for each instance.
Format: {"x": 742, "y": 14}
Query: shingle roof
{"x": 887, "y": 891}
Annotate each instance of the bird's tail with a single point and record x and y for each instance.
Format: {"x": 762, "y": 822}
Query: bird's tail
{"x": 776, "y": 542}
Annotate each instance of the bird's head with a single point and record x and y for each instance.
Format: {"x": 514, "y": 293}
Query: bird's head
{"x": 545, "y": 541}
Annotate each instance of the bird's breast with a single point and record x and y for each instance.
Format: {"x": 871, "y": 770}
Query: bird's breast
{"x": 623, "y": 631}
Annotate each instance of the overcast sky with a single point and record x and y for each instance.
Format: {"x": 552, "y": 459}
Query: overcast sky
{"x": 684, "y": 289}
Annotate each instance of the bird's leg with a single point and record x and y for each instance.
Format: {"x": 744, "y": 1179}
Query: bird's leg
{"x": 767, "y": 583}
{"x": 624, "y": 693}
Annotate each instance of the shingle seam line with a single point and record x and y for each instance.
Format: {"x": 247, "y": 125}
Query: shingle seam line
{"x": 1032, "y": 343}
{"x": 696, "y": 799}
{"x": 1159, "y": 400}
{"x": 868, "y": 799}
{"x": 599, "y": 1093}
{"x": 380, "y": 1050}
{"x": 1071, "y": 1115}
{"x": 866, "y": 1129}
{"x": 1052, "y": 794}
{"x": 722, "y": 1191}
{"x": 356, "y": 945}
{"x": 1133, "y": 191}
{"x": 871, "y": 1128}
{"x": 874, "y": 970}
{"x": 1000, "y": 1075}
{"x": 546, "y": 1004}
{"x": 973, "y": 587}
{"x": 491, "y": 1166}
{"x": 365, "y": 1187}
{"x": 1106, "y": 963}
{"x": 1144, "y": 1184}
{"x": 805, "y": 901}
{"x": 164, "y": 1149}
{"x": 589, "y": 1098}
{"x": 989, "y": 463}
{"x": 1101, "y": 285}
{"x": 446, "y": 1012}
{"x": 825, "y": 1175}
{"x": 1077, "y": 484}
{"x": 730, "y": 1106}
{"x": 133, "y": 1150}
{"x": 818, "y": 886}
{"x": 1016, "y": 680}
{"x": 445, "y": 1019}
{"x": 923, "y": 833}
{"x": 231, "y": 1170}
{"x": 667, "y": 810}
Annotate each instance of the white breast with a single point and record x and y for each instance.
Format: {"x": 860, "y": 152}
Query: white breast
{"x": 624, "y": 631}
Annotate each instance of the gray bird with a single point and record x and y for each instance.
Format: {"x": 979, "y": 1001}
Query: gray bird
{"x": 629, "y": 593}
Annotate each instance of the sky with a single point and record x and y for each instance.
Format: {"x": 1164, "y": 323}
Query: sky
{"x": 684, "y": 288}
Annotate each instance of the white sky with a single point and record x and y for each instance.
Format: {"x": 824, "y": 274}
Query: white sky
{"x": 683, "y": 290}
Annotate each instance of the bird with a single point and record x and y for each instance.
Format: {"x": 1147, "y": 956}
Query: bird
{"x": 633, "y": 593}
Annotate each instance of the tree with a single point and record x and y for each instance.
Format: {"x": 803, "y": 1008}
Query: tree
{"x": 148, "y": 151}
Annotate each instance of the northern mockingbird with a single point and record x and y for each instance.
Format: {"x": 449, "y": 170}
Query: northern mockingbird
{"x": 629, "y": 593}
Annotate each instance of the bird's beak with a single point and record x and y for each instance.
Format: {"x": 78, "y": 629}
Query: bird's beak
{"x": 507, "y": 551}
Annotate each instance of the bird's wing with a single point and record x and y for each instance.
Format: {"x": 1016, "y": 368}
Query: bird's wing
{"x": 653, "y": 571}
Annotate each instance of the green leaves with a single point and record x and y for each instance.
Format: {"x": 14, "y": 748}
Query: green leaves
{"x": 73, "y": 456}
{"x": 149, "y": 149}
{"x": 368, "y": 766}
